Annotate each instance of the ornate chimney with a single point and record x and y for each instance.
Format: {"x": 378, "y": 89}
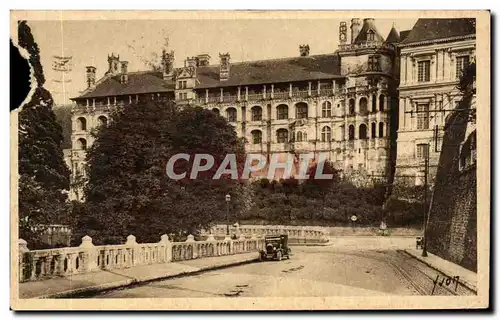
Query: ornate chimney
{"x": 203, "y": 60}
{"x": 355, "y": 28}
{"x": 91, "y": 70}
{"x": 225, "y": 66}
{"x": 124, "y": 73}
{"x": 167, "y": 62}
{"x": 113, "y": 64}
{"x": 304, "y": 50}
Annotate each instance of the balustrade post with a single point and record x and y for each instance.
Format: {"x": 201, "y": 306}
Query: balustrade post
{"x": 88, "y": 262}
{"x": 191, "y": 241}
{"x": 168, "y": 248}
{"x": 23, "y": 249}
{"x": 132, "y": 243}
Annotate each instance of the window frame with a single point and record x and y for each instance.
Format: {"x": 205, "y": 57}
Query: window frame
{"x": 424, "y": 73}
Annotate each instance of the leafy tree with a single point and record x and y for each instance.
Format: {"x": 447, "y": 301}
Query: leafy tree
{"x": 128, "y": 191}
{"x": 43, "y": 174}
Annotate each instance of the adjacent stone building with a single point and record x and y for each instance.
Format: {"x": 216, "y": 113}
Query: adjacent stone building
{"x": 433, "y": 56}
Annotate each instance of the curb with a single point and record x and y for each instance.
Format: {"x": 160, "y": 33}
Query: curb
{"x": 89, "y": 291}
{"x": 461, "y": 281}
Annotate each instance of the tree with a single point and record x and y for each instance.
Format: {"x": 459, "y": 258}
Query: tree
{"x": 128, "y": 191}
{"x": 43, "y": 174}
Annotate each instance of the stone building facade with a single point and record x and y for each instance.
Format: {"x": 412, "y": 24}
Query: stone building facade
{"x": 431, "y": 65}
{"x": 345, "y": 103}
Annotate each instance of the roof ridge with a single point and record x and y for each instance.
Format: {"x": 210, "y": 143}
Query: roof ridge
{"x": 274, "y": 59}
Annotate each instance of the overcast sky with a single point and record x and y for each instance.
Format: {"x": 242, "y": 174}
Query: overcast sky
{"x": 89, "y": 42}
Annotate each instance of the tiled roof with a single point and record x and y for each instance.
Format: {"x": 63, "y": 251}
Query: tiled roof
{"x": 393, "y": 36}
{"x": 403, "y": 34}
{"x": 433, "y": 29}
{"x": 138, "y": 82}
{"x": 315, "y": 67}
{"x": 368, "y": 24}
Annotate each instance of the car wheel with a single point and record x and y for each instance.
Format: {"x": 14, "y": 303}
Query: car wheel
{"x": 278, "y": 255}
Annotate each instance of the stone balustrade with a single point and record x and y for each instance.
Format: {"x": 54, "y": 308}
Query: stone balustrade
{"x": 40, "y": 264}
{"x": 295, "y": 233}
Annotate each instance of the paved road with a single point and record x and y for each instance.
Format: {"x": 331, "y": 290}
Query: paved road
{"x": 311, "y": 272}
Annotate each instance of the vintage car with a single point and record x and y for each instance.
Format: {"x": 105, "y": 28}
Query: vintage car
{"x": 276, "y": 248}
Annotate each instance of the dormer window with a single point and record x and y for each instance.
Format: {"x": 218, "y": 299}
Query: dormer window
{"x": 370, "y": 35}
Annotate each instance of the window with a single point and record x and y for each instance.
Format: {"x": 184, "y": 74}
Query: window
{"x": 362, "y": 131}
{"x": 381, "y": 102}
{"x": 462, "y": 64}
{"x": 82, "y": 124}
{"x": 256, "y": 113}
{"x": 282, "y": 135}
{"x": 326, "y": 134}
{"x": 257, "y": 136}
{"x": 374, "y": 103}
{"x": 370, "y": 35}
{"x": 422, "y": 150}
{"x": 82, "y": 144}
{"x": 424, "y": 71}
{"x": 381, "y": 130}
{"x": 422, "y": 116}
{"x": 374, "y": 63}
{"x": 231, "y": 114}
{"x": 363, "y": 106}
{"x": 282, "y": 112}
{"x": 351, "y": 106}
{"x": 301, "y": 110}
{"x": 326, "y": 110}
{"x": 351, "y": 132}
{"x": 299, "y": 136}
{"x": 102, "y": 120}
{"x": 374, "y": 130}
{"x": 216, "y": 110}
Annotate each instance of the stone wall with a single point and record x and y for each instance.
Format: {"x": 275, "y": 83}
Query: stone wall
{"x": 452, "y": 229}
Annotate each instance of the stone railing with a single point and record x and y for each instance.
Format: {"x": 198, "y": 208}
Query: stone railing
{"x": 63, "y": 262}
{"x": 295, "y": 234}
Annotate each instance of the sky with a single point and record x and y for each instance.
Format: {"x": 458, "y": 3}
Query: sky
{"x": 90, "y": 41}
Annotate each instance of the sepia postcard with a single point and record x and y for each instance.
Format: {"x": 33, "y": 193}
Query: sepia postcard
{"x": 250, "y": 160}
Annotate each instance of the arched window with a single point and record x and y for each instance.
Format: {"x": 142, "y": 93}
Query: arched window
{"x": 374, "y": 130}
{"x": 326, "y": 134}
{"x": 216, "y": 110}
{"x": 380, "y": 129}
{"x": 82, "y": 124}
{"x": 362, "y": 131}
{"x": 102, "y": 120}
{"x": 363, "y": 106}
{"x": 256, "y": 136}
{"x": 231, "y": 114}
{"x": 326, "y": 110}
{"x": 351, "y": 132}
{"x": 282, "y": 112}
{"x": 381, "y": 102}
{"x": 256, "y": 113}
{"x": 82, "y": 144}
{"x": 301, "y": 110}
{"x": 299, "y": 136}
{"x": 374, "y": 103}
{"x": 351, "y": 106}
{"x": 282, "y": 135}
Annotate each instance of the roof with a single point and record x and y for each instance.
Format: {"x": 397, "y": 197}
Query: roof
{"x": 314, "y": 67}
{"x": 433, "y": 29}
{"x": 368, "y": 24}
{"x": 393, "y": 36}
{"x": 138, "y": 82}
{"x": 403, "y": 34}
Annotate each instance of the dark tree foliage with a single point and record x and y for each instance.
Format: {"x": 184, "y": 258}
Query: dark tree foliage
{"x": 43, "y": 174}
{"x": 128, "y": 191}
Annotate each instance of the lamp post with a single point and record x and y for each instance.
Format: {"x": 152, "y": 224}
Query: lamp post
{"x": 228, "y": 199}
{"x": 426, "y": 173}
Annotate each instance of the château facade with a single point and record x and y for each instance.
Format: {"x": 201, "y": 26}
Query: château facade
{"x": 345, "y": 103}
